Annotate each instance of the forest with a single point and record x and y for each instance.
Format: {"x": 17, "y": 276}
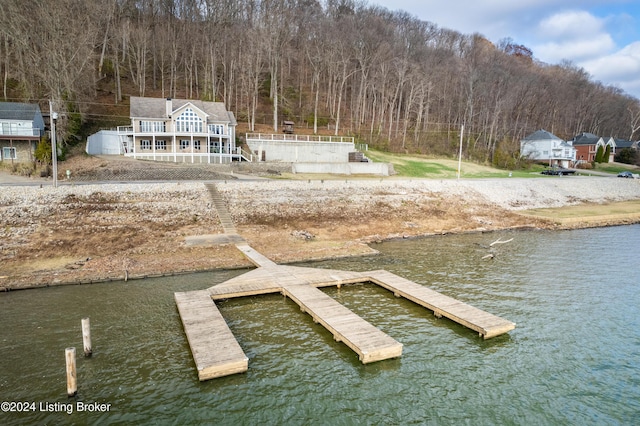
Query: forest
{"x": 332, "y": 66}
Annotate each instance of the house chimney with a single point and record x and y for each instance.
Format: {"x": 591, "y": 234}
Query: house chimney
{"x": 169, "y": 107}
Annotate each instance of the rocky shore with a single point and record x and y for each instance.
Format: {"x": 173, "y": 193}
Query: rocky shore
{"x": 87, "y": 233}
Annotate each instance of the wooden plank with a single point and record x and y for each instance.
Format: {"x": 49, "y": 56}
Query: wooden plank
{"x": 486, "y": 324}
{"x": 214, "y": 348}
{"x": 369, "y": 342}
{"x": 256, "y": 258}
{"x": 272, "y": 278}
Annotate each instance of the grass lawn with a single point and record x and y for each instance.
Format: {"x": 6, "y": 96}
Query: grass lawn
{"x": 615, "y": 168}
{"x": 442, "y": 168}
{"x": 588, "y": 212}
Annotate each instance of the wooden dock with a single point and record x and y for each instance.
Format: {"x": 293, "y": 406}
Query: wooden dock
{"x": 215, "y": 350}
{"x": 217, "y": 353}
{"x": 487, "y": 325}
{"x": 366, "y": 340}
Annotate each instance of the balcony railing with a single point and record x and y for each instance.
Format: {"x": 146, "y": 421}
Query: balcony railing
{"x": 298, "y": 138}
{"x": 19, "y": 132}
{"x": 128, "y": 131}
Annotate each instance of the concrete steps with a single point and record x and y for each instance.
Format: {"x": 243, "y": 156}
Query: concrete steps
{"x": 221, "y": 209}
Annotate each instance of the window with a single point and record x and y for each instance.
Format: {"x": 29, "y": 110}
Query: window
{"x": 184, "y": 144}
{"x": 145, "y": 144}
{"x": 189, "y": 121}
{"x": 161, "y": 145}
{"x": 216, "y": 129}
{"x": 196, "y": 145}
{"x": 152, "y": 126}
{"x": 9, "y": 153}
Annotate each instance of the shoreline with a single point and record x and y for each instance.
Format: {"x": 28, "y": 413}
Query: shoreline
{"x": 108, "y": 233}
{"x": 177, "y": 272}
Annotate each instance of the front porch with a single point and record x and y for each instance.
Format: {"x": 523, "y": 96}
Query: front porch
{"x": 196, "y": 147}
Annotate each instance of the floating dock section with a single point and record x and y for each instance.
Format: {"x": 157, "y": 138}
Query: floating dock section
{"x": 366, "y": 340}
{"x": 487, "y": 325}
{"x": 215, "y": 350}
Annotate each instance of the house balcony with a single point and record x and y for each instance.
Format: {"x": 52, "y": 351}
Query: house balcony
{"x": 130, "y": 131}
{"x": 19, "y": 133}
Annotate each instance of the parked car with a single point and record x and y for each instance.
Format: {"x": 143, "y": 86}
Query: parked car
{"x": 625, "y": 175}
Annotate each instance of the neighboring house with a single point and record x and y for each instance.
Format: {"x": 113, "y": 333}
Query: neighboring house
{"x": 179, "y": 130}
{"x": 21, "y": 127}
{"x": 623, "y": 143}
{"x": 543, "y": 146}
{"x": 587, "y": 145}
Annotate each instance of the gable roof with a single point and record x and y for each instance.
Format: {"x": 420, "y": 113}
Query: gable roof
{"x": 622, "y": 143}
{"x": 585, "y": 138}
{"x": 19, "y": 111}
{"x": 157, "y": 108}
{"x": 541, "y": 135}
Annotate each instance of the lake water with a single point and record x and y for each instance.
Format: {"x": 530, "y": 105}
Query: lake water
{"x": 574, "y": 357}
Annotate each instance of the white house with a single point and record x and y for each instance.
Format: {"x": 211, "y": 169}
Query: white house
{"x": 179, "y": 130}
{"x": 544, "y": 146}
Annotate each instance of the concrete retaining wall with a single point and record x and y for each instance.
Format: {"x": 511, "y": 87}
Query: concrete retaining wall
{"x": 380, "y": 169}
{"x": 303, "y": 152}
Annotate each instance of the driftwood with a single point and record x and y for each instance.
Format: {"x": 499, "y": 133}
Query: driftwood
{"x": 499, "y": 241}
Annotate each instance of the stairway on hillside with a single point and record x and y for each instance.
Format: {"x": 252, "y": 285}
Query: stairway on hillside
{"x": 221, "y": 209}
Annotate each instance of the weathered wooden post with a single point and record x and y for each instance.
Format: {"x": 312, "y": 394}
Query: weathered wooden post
{"x": 86, "y": 337}
{"x": 72, "y": 383}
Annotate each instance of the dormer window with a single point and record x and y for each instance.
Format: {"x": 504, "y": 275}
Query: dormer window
{"x": 189, "y": 121}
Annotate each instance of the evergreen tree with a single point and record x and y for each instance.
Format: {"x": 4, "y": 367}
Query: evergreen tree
{"x": 607, "y": 154}
{"x": 599, "y": 154}
{"x": 43, "y": 151}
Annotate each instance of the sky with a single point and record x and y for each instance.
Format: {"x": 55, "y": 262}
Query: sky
{"x": 601, "y": 36}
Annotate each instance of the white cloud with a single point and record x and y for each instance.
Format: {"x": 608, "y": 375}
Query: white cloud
{"x": 573, "y": 35}
{"x": 621, "y": 68}
{"x": 570, "y": 24}
{"x": 573, "y": 49}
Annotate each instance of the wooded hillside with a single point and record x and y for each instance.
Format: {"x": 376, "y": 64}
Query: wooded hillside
{"x": 343, "y": 65}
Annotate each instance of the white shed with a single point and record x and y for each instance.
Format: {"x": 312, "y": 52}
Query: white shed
{"x": 105, "y": 142}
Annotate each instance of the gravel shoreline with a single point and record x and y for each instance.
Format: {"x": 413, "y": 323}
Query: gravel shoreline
{"x": 100, "y": 232}
{"x": 510, "y": 194}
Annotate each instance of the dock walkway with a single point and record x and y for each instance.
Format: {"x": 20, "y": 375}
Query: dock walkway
{"x": 487, "y": 325}
{"x": 366, "y": 340}
{"x": 215, "y": 350}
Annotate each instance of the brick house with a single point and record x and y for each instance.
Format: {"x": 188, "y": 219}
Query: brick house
{"x": 587, "y": 145}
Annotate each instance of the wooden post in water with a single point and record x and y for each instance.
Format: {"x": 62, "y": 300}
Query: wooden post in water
{"x": 86, "y": 336}
{"x": 72, "y": 383}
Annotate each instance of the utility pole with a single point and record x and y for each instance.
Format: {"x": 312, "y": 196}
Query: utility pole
{"x": 53, "y": 116}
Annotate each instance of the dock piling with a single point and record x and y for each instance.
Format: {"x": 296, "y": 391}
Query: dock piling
{"x": 86, "y": 337}
{"x": 72, "y": 382}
